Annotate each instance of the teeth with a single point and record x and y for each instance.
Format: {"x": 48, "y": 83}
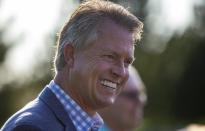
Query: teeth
{"x": 109, "y": 84}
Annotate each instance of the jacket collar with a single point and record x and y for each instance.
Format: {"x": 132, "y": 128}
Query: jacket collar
{"x": 50, "y": 99}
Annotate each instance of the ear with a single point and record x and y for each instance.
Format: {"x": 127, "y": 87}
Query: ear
{"x": 69, "y": 54}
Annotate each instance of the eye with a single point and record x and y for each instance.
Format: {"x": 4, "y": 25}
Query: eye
{"x": 110, "y": 56}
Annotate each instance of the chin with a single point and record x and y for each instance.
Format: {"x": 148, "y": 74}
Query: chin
{"x": 103, "y": 103}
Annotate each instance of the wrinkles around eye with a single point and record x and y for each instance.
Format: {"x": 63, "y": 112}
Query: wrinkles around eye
{"x": 108, "y": 56}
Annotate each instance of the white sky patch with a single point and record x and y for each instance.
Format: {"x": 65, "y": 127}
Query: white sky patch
{"x": 168, "y": 17}
{"x": 177, "y": 14}
{"x": 33, "y": 20}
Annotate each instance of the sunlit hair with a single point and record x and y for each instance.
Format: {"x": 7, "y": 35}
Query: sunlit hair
{"x": 83, "y": 26}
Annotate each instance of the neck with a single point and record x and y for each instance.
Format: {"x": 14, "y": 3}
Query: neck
{"x": 62, "y": 79}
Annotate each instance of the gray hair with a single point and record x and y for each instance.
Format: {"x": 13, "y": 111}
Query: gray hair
{"x": 83, "y": 26}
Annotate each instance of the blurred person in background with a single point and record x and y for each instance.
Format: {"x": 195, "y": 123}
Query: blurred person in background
{"x": 127, "y": 111}
{"x": 94, "y": 51}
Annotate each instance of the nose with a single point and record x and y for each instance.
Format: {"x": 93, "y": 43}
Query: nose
{"x": 119, "y": 70}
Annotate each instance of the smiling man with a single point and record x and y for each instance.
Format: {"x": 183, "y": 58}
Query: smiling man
{"x": 94, "y": 50}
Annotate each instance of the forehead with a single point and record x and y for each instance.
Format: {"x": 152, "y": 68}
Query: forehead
{"x": 113, "y": 36}
{"x": 107, "y": 27}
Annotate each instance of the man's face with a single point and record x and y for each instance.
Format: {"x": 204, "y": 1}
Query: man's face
{"x": 101, "y": 70}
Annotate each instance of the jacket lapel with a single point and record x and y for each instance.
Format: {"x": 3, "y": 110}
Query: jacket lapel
{"x": 50, "y": 99}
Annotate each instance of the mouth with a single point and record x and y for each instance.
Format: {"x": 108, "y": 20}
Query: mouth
{"x": 109, "y": 84}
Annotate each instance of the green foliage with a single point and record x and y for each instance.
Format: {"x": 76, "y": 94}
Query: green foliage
{"x": 3, "y": 50}
{"x": 3, "y": 47}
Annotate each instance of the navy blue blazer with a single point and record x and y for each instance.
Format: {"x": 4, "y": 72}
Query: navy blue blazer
{"x": 45, "y": 113}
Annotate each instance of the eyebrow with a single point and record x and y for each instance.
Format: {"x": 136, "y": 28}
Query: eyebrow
{"x": 116, "y": 54}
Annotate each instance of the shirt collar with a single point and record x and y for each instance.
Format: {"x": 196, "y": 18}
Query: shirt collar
{"x": 81, "y": 120}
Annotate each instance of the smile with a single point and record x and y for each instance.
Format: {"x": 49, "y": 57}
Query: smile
{"x": 109, "y": 84}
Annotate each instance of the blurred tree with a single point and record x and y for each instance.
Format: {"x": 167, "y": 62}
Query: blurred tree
{"x": 3, "y": 46}
{"x": 3, "y": 50}
{"x": 5, "y": 103}
{"x": 16, "y": 94}
{"x": 190, "y": 94}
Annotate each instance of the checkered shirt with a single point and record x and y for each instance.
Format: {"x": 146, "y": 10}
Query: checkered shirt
{"x": 81, "y": 120}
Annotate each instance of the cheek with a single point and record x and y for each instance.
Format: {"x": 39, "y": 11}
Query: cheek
{"x": 93, "y": 63}
{"x": 99, "y": 67}
{"x": 92, "y": 69}
{"x": 86, "y": 67}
